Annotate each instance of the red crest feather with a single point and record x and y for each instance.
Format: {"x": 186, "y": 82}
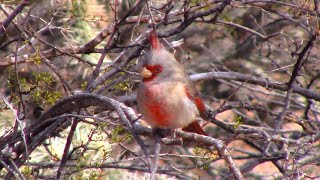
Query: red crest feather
{"x": 154, "y": 41}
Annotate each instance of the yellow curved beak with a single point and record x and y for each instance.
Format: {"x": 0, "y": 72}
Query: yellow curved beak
{"x": 145, "y": 73}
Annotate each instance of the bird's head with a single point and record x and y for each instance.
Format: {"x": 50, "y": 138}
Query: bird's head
{"x": 159, "y": 62}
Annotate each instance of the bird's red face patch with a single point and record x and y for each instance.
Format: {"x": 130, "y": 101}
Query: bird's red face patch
{"x": 154, "y": 70}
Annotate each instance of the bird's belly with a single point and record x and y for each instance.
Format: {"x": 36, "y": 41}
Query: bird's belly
{"x": 169, "y": 110}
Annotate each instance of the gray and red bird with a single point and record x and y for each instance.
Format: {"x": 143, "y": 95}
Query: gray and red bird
{"x": 166, "y": 97}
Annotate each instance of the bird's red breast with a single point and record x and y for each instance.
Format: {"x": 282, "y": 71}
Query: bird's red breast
{"x": 156, "y": 109}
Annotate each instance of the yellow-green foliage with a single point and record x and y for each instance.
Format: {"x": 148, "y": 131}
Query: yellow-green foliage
{"x": 40, "y": 86}
{"x": 208, "y": 158}
{"x": 26, "y": 170}
{"x": 205, "y": 156}
{"x": 121, "y": 87}
{"x": 14, "y": 83}
{"x": 238, "y": 122}
{"x": 118, "y": 135}
{"x": 197, "y": 151}
{"x": 84, "y": 85}
{"x": 43, "y": 78}
{"x": 36, "y": 59}
{"x": 44, "y": 93}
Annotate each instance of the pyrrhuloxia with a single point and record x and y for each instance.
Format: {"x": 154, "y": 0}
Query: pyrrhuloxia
{"x": 166, "y": 98}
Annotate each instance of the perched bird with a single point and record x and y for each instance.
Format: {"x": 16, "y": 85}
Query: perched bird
{"x": 166, "y": 97}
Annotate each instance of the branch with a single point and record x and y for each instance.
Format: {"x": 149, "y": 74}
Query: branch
{"x": 49, "y": 121}
{"x": 10, "y": 18}
{"x": 257, "y": 81}
{"x": 294, "y": 75}
{"x": 222, "y": 148}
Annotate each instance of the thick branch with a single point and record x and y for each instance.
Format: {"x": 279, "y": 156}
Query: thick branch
{"x": 257, "y": 81}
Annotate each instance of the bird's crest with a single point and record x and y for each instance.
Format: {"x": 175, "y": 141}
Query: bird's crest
{"x": 154, "y": 41}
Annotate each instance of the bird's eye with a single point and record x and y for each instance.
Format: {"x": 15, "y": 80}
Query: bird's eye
{"x": 158, "y": 69}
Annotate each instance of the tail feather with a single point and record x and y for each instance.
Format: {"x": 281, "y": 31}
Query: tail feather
{"x": 194, "y": 127}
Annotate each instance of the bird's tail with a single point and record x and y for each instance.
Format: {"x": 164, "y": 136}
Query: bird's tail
{"x": 194, "y": 127}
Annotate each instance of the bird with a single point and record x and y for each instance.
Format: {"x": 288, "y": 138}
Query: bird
{"x": 166, "y": 97}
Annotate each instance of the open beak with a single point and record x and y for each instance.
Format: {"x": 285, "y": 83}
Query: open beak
{"x": 145, "y": 73}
